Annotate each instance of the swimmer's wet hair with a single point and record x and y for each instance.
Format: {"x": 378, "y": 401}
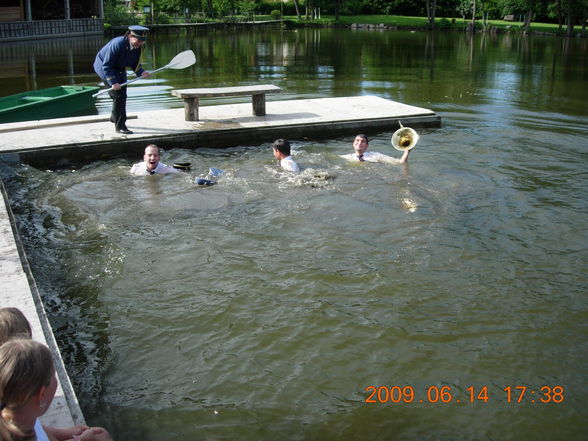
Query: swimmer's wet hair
{"x": 282, "y": 146}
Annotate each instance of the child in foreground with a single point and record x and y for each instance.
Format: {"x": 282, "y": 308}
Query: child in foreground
{"x": 28, "y": 384}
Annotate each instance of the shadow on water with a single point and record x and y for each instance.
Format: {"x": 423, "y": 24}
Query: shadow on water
{"x": 265, "y": 306}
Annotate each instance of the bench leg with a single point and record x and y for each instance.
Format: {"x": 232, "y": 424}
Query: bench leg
{"x": 259, "y": 104}
{"x": 191, "y": 109}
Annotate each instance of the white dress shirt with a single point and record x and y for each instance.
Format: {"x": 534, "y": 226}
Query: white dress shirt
{"x": 372, "y": 157}
{"x": 140, "y": 169}
{"x": 288, "y": 164}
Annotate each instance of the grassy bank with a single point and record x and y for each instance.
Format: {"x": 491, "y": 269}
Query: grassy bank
{"x": 403, "y": 22}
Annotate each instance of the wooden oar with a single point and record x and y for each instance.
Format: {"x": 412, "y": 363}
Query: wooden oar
{"x": 180, "y": 61}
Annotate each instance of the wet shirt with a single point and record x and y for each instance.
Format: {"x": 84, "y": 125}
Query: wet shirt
{"x": 288, "y": 164}
{"x": 140, "y": 169}
{"x": 113, "y": 59}
{"x": 371, "y": 157}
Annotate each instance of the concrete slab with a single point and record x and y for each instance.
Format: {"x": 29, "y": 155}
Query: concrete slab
{"x": 55, "y": 142}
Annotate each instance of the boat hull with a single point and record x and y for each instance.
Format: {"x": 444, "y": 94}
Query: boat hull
{"x": 55, "y": 102}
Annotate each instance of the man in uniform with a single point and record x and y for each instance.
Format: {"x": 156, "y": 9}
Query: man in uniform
{"x": 111, "y": 65}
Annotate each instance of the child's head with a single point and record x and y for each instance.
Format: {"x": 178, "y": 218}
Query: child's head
{"x": 26, "y": 372}
{"x": 13, "y": 323}
{"x": 282, "y": 146}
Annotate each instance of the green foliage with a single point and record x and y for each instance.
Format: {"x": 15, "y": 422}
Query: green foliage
{"x": 275, "y": 14}
{"x": 224, "y": 8}
{"x": 443, "y": 24}
{"x": 464, "y": 8}
{"x": 117, "y": 15}
{"x": 352, "y": 7}
{"x": 247, "y": 6}
{"x": 396, "y": 7}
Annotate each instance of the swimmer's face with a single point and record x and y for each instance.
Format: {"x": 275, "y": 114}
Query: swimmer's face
{"x": 276, "y": 153}
{"x": 151, "y": 157}
{"x": 360, "y": 145}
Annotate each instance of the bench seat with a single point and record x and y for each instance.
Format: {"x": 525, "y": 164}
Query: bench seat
{"x": 191, "y": 97}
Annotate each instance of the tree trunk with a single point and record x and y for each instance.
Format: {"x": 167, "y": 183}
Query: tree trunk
{"x": 297, "y": 9}
{"x": 431, "y": 13}
{"x": 473, "y": 14}
{"x": 559, "y": 18}
{"x": 209, "y": 7}
{"x": 570, "y": 31}
{"x": 337, "y": 4}
{"x": 528, "y": 17}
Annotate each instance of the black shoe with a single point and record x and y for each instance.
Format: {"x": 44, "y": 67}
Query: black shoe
{"x": 124, "y": 131}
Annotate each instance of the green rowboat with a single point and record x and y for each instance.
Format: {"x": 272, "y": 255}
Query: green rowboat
{"x": 55, "y": 102}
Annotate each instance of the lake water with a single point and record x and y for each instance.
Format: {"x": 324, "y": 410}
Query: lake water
{"x": 272, "y": 307}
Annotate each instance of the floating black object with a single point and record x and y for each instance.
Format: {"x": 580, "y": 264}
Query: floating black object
{"x": 182, "y": 165}
{"x": 202, "y": 181}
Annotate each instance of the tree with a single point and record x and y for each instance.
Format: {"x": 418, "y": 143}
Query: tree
{"x": 431, "y": 6}
{"x": 297, "y": 9}
{"x": 529, "y": 16}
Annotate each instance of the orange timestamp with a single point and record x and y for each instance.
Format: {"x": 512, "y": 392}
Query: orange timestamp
{"x": 447, "y": 394}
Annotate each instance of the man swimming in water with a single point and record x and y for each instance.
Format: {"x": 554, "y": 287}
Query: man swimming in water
{"x": 361, "y": 144}
{"x": 151, "y": 164}
{"x": 281, "y": 148}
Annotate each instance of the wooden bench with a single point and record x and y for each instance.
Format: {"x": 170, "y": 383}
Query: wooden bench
{"x": 508, "y": 17}
{"x": 191, "y": 96}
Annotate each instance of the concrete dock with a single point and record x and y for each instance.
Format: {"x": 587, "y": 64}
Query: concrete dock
{"x": 18, "y": 289}
{"x": 51, "y": 143}
{"x": 60, "y": 142}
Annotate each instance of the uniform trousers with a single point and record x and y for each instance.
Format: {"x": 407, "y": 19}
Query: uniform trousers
{"x": 119, "y": 107}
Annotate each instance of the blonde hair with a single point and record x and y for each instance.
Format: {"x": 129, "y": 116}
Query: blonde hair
{"x": 25, "y": 366}
{"x": 13, "y": 323}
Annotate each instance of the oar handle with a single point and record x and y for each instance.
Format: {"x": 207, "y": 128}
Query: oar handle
{"x": 130, "y": 81}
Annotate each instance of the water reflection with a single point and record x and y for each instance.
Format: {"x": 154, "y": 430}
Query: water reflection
{"x": 418, "y": 68}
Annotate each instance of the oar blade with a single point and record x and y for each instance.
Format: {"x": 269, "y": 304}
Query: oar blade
{"x": 182, "y": 60}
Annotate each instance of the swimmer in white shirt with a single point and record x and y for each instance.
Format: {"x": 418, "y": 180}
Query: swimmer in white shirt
{"x": 361, "y": 144}
{"x": 281, "y": 148}
{"x": 151, "y": 164}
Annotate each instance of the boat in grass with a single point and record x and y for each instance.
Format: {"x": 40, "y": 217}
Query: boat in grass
{"x": 55, "y": 102}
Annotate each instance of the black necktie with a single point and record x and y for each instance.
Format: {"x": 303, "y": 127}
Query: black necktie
{"x": 360, "y": 157}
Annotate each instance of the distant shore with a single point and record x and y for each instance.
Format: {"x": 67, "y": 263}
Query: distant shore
{"x": 370, "y": 22}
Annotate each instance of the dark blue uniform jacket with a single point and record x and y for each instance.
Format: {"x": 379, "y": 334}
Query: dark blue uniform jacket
{"x": 113, "y": 59}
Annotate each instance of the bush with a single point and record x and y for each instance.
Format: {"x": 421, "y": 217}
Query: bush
{"x": 443, "y": 24}
{"x": 118, "y": 15}
{"x": 275, "y": 14}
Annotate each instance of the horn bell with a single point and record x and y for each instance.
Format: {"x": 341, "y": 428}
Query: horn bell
{"x": 404, "y": 139}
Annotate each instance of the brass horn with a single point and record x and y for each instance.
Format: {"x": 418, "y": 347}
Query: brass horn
{"x": 404, "y": 138}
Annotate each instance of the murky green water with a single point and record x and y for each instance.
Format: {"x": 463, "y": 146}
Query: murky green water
{"x": 263, "y": 307}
